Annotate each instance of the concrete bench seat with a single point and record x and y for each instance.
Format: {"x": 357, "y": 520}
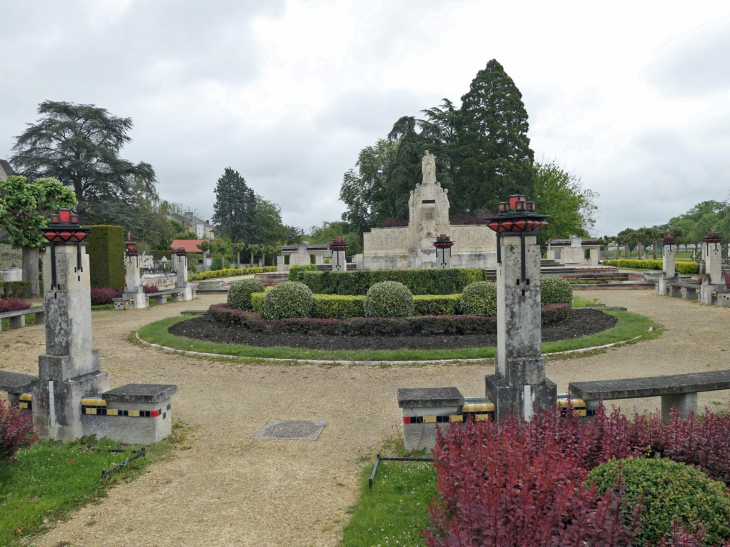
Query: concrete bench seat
{"x": 17, "y": 318}
{"x": 680, "y": 289}
{"x": 15, "y": 384}
{"x": 160, "y": 297}
{"x": 677, "y": 389}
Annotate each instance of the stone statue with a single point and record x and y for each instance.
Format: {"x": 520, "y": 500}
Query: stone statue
{"x": 428, "y": 229}
{"x": 428, "y": 167}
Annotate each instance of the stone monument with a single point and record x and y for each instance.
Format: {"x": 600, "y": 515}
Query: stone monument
{"x": 70, "y": 398}
{"x": 134, "y": 297}
{"x": 519, "y": 385}
{"x": 339, "y": 261}
{"x": 712, "y": 253}
{"x": 412, "y": 246}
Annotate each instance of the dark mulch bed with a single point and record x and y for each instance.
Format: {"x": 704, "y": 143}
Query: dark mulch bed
{"x": 580, "y": 322}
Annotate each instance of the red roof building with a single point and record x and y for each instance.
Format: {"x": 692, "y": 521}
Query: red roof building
{"x": 188, "y": 244}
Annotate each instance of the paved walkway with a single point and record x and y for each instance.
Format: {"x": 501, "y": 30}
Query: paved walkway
{"x": 231, "y": 490}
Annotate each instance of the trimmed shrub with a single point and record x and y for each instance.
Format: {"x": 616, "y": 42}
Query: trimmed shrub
{"x": 329, "y": 306}
{"x": 288, "y": 299}
{"x": 257, "y": 302}
{"x": 436, "y": 304}
{"x": 295, "y": 272}
{"x": 555, "y": 290}
{"x": 686, "y": 267}
{"x": 106, "y": 255}
{"x": 419, "y": 282}
{"x": 239, "y": 295}
{"x": 479, "y": 299}
{"x": 229, "y": 272}
{"x": 16, "y": 431}
{"x": 388, "y": 299}
{"x": 552, "y": 313}
{"x": 147, "y": 289}
{"x": 13, "y": 304}
{"x": 671, "y": 492}
{"x": 21, "y": 289}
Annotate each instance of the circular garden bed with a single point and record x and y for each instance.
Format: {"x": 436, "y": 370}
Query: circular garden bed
{"x": 579, "y": 322}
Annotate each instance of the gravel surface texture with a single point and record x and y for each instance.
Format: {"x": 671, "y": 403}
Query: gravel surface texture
{"x": 580, "y": 322}
{"x": 231, "y": 490}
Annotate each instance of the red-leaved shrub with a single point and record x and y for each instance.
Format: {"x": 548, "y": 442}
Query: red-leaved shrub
{"x": 523, "y": 483}
{"x": 13, "y": 303}
{"x": 16, "y": 431}
{"x": 103, "y": 295}
{"x": 150, "y": 289}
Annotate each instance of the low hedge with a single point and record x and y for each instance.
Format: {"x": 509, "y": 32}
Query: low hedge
{"x": 372, "y": 326}
{"x": 435, "y": 281}
{"x": 435, "y": 304}
{"x": 230, "y": 272}
{"x": 295, "y": 272}
{"x": 686, "y": 267}
{"x": 21, "y": 289}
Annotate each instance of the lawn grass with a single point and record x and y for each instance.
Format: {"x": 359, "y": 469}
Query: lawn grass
{"x": 395, "y": 511}
{"x": 51, "y": 479}
{"x": 630, "y": 325}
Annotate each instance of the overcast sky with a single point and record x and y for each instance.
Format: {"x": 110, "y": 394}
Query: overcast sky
{"x": 632, "y": 96}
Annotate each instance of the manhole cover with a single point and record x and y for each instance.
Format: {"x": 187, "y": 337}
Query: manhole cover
{"x": 296, "y": 430}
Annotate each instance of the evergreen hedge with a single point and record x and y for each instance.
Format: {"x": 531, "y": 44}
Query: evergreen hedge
{"x": 686, "y": 267}
{"x": 229, "y": 272}
{"x": 21, "y": 289}
{"x": 388, "y": 299}
{"x": 435, "y": 281}
{"x": 295, "y": 272}
{"x": 106, "y": 255}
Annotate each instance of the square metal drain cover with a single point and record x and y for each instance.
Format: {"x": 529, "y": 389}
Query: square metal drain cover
{"x": 296, "y": 430}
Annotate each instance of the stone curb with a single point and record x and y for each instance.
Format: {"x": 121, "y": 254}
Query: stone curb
{"x": 371, "y": 363}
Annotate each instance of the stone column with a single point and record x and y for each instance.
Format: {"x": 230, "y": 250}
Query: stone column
{"x": 134, "y": 297}
{"x": 669, "y": 253}
{"x": 338, "y": 247}
{"x": 519, "y": 385}
{"x": 712, "y": 252}
{"x": 70, "y": 369}
{"x": 181, "y": 269}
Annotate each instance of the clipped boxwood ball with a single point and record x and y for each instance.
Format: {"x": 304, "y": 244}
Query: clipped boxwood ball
{"x": 670, "y": 490}
{"x": 288, "y": 299}
{"x": 479, "y": 299}
{"x": 239, "y": 295}
{"x": 555, "y": 290}
{"x": 388, "y": 299}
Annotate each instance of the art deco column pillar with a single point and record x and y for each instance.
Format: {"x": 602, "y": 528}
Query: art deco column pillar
{"x": 669, "y": 253}
{"x": 134, "y": 297}
{"x": 519, "y": 385}
{"x": 181, "y": 269}
{"x": 70, "y": 369}
{"x": 338, "y": 248}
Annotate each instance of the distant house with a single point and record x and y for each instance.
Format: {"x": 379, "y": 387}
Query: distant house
{"x": 5, "y": 170}
{"x": 190, "y": 245}
{"x": 199, "y": 227}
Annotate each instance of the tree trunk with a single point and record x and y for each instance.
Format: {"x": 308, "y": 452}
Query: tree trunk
{"x": 251, "y": 264}
{"x": 655, "y": 243}
{"x": 205, "y": 261}
{"x": 238, "y": 259}
{"x": 263, "y": 258}
{"x": 30, "y": 270}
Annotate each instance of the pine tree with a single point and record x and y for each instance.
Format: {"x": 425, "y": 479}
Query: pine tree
{"x": 235, "y": 208}
{"x": 493, "y": 148}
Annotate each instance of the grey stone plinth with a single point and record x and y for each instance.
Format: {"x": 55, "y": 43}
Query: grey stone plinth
{"x": 161, "y": 299}
{"x": 57, "y": 404}
{"x": 131, "y": 429}
{"x": 16, "y": 322}
{"x": 142, "y": 393}
{"x": 429, "y": 397}
{"x": 684, "y": 404}
{"x": 62, "y": 367}
{"x": 510, "y": 399}
{"x": 12, "y": 382}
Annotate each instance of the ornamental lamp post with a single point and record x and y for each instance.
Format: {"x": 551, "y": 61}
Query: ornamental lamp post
{"x": 519, "y": 384}
{"x": 338, "y": 248}
{"x": 442, "y": 243}
{"x": 64, "y": 229}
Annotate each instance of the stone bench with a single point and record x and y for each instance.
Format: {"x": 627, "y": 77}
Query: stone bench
{"x": 160, "y": 297}
{"x": 688, "y": 291}
{"x": 131, "y": 414}
{"x": 677, "y": 389}
{"x": 17, "y": 318}
{"x": 16, "y": 385}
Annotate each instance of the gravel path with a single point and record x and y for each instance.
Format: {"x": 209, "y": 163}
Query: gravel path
{"x": 231, "y": 490}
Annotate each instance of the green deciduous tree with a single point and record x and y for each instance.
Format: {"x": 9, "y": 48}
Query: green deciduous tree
{"x": 268, "y": 221}
{"x": 79, "y": 144}
{"x": 492, "y": 144}
{"x": 235, "y": 208}
{"x": 205, "y": 246}
{"x": 560, "y": 194}
{"x": 27, "y": 207}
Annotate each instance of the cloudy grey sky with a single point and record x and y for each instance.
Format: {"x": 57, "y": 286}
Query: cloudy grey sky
{"x": 632, "y": 96}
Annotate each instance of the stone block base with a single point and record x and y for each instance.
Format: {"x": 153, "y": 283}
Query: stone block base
{"x": 57, "y": 404}
{"x": 674, "y": 292}
{"x": 683, "y": 402}
{"x": 129, "y": 423}
{"x": 186, "y": 291}
{"x": 160, "y": 300}
{"x": 17, "y": 322}
{"x": 689, "y": 294}
{"x": 425, "y": 409}
{"x": 511, "y": 400}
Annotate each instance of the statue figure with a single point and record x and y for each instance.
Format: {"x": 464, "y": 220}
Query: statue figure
{"x": 428, "y": 229}
{"x": 428, "y": 167}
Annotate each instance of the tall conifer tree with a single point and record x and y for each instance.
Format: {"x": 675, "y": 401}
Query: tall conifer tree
{"x": 493, "y": 147}
{"x": 235, "y": 208}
